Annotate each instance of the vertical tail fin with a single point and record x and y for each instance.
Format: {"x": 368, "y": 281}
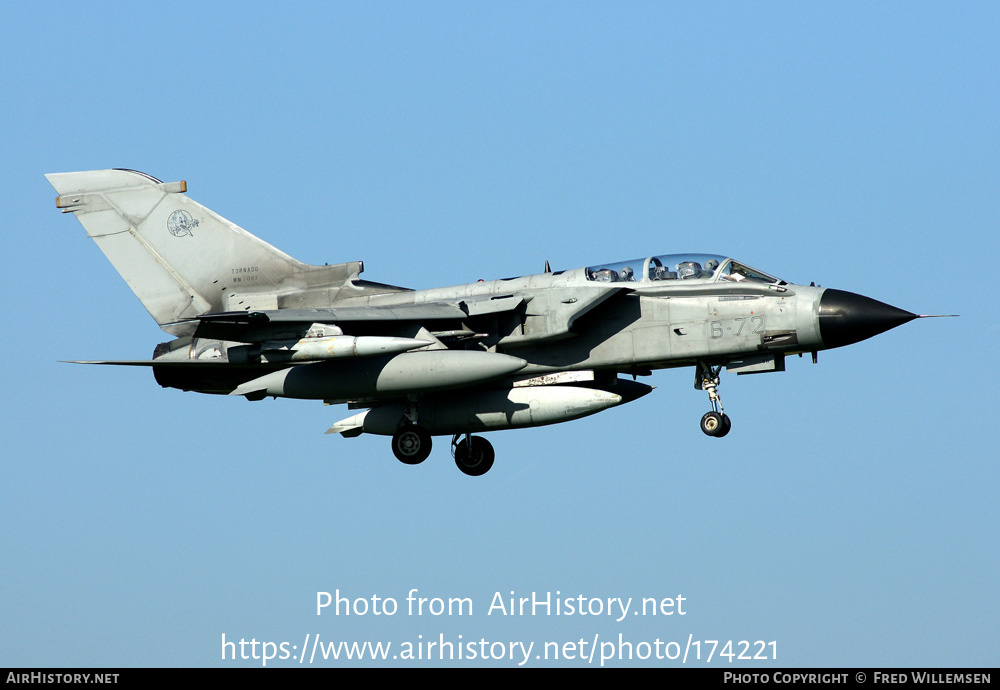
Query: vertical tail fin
{"x": 178, "y": 257}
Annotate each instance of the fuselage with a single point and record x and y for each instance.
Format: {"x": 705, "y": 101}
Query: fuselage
{"x": 639, "y": 324}
{"x": 626, "y": 317}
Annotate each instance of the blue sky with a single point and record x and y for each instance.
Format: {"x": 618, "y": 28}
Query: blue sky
{"x": 850, "y": 516}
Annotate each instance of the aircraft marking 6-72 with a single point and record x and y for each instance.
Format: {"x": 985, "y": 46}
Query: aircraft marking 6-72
{"x": 249, "y": 320}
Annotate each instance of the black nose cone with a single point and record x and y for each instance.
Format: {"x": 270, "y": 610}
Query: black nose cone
{"x": 846, "y": 318}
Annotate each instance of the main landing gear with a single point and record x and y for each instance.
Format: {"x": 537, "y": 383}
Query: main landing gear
{"x": 411, "y": 444}
{"x": 715, "y": 423}
{"x": 474, "y": 454}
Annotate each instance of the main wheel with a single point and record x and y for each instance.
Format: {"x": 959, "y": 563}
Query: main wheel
{"x": 714, "y": 424}
{"x": 476, "y": 460}
{"x": 411, "y": 444}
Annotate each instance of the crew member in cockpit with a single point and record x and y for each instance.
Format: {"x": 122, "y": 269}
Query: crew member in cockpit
{"x": 689, "y": 269}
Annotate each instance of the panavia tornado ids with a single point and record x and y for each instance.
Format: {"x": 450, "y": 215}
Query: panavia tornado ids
{"x": 249, "y": 320}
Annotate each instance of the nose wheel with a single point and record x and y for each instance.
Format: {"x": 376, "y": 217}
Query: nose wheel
{"x": 715, "y": 423}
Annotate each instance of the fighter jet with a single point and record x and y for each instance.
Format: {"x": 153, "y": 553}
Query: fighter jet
{"x": 249, "y": 320}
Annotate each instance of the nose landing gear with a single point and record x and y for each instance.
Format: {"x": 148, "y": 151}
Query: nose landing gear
{"x": 715, "y": 423}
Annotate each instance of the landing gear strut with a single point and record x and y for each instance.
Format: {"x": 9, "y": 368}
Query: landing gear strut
{"x": 715, "y": 423}
{"x": 474, "y": 454}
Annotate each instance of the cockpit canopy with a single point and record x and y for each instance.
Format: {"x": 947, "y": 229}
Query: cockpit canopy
{"x": 687, "y": 267}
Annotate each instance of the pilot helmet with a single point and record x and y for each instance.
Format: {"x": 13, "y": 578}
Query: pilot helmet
{"x": 688, "y": 269}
